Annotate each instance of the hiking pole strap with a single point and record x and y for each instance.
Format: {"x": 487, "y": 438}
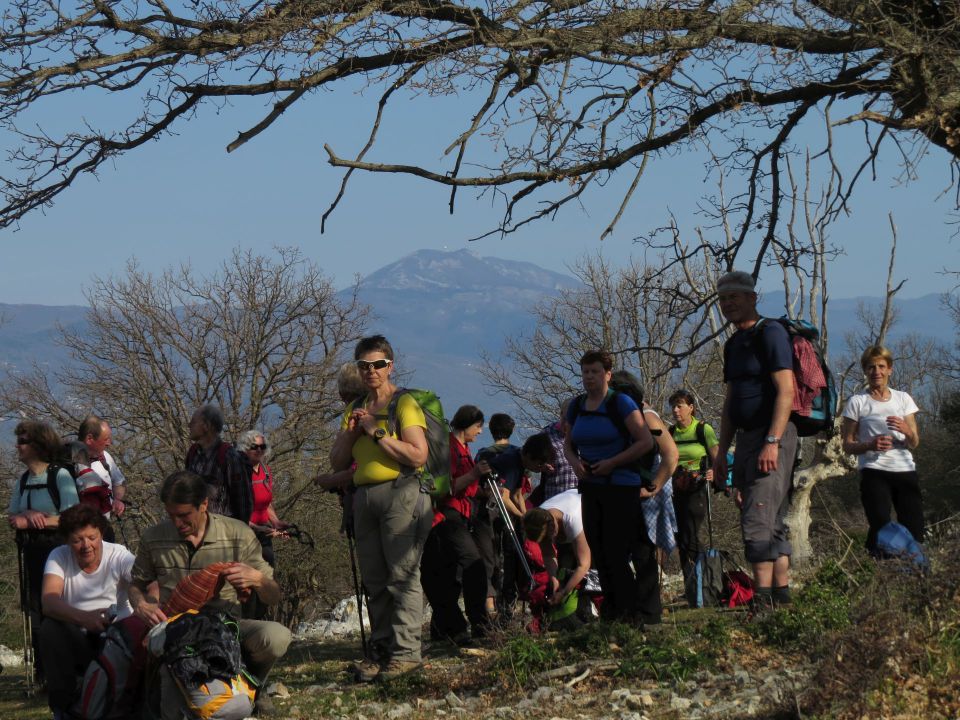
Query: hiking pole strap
{"x": 494, "y": 489}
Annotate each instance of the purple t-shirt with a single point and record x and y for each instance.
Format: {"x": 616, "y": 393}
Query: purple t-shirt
{"x": 749, "y": 358}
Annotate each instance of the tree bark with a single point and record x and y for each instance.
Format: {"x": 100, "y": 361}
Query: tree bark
{"x": 829, "y": 461}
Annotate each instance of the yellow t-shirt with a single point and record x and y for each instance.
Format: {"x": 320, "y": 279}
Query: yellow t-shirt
{"x": 373, "y": 464}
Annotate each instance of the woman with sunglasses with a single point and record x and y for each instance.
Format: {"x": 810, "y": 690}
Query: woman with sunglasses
{"x": 42, "y": 493}
{"x": 263, "y": 520}
{"x": 392, "y": 513}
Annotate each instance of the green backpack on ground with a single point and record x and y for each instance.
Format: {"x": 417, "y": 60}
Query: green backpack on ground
{"x": 435, "y": 474}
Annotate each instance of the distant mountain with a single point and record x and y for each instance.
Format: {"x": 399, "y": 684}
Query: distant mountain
{"x": 27, "y": 334}
{"x": 923, "y": 315}
{"x": 440, "y": 310}
{"x": 456, "y": 303}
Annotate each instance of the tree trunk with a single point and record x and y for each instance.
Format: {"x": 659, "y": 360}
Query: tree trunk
{"x": 829, "y": 461}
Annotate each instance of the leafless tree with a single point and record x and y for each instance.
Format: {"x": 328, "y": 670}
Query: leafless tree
{"x": 651, "y": 320}
{"x": 263, "y": 338}
{"x": 558, "y": 96}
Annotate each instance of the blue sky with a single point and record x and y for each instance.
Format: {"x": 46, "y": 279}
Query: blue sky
{"x": 184, "y": 199}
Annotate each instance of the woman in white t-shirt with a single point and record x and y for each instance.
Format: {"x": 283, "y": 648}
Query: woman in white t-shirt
{"x": 84, "y": 589}
{"x": 880, "y": 427}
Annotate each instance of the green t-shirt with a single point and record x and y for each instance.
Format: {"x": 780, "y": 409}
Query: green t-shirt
{"x": 691, "y": 451}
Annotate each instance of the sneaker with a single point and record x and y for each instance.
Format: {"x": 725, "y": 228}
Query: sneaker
{"x": 396, "y": 668}
{"x": 366, "y": 670}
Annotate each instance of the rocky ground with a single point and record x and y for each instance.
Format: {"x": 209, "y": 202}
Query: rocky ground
{"x": 860, "y": 641}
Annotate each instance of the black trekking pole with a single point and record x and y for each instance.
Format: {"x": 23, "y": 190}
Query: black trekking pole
{"x": 709, "y": 517}
{"x": 24, "y": 578}
{"x": 122, "y": 529}
{"x": 358, "y": 590}
{"x": 346, "y": 526}
{"x": 493, "y": 487}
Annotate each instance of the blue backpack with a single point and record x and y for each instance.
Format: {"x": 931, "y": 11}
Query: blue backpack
{"x": 895, "y": 541}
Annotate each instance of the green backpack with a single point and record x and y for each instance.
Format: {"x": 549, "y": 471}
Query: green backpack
{"x": 435, "y": 474}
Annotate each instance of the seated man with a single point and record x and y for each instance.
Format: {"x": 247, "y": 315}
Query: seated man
{"x": 190, "y": 540}
{"x": 557, "y": 543}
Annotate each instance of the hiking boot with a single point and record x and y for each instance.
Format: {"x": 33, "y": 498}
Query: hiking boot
{"x": 366, "y": 670}
{"x": 264, "y": 707}
{"x": 761, "y": 604}
{"x": 397, "y": 668}
{"x": 781, "y": 596}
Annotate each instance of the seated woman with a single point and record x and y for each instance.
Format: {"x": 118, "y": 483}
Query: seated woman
{"x": 84, "y": 590}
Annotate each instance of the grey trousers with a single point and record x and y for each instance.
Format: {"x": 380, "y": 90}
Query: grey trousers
{"x": 391, "y": 523}
{"x": 766, "y": 498}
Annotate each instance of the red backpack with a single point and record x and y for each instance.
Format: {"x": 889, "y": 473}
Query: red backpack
{"x": 737, "y": 588}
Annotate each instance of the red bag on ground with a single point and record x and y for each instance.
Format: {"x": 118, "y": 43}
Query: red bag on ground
{"x": 737, "y": 588}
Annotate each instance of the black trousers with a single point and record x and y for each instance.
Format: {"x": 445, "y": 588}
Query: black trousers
{"x": 513, "y": 574}
{"x": 691, "y": 512}
{"x": 881, "y": 490}
{"x": 482, "y": 531}
{"x": 452, "y": 563}
{"x": 66, "y": 651}
{"x": 617, "y": 535}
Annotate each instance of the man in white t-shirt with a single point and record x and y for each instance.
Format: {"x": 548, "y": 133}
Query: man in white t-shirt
{"x": 572, "y": 548}
{"x": 566, "y": 507}
{"x": 95, "y": 433}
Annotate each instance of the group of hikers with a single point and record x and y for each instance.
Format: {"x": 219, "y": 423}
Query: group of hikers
{"x": 432, "y": 520}
{"x": 214, "y": 551}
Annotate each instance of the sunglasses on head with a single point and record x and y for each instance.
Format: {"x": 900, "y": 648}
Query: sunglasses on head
{"x": 364, "y": 365}
{"x": 261, "y": 446}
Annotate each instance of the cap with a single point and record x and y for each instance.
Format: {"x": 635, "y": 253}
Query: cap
{"x": 736, "y": 281}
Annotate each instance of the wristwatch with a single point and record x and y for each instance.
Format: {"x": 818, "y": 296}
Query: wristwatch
{"x": 379, "y": 434}
{"x": 772, "y": 440}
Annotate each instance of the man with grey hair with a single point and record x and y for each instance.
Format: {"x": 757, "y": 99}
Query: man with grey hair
{"x": 758, "y": 372}
{"x": 224, "y": 469}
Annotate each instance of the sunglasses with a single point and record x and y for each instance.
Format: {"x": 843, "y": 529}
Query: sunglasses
{"x": 261, "y": 447}
{"x": 23, "y": 441}
{"x": 364, "y": 365}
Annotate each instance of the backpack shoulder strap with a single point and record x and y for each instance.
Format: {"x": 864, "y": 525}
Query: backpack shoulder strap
{"x": 23, "y": 481}
{"x": 577, "y": 406}
{"x": 52, "y": 487}
{"x": 392, "y": 410}
{"x": 618, "y": 420}
{"x": 701, "y": 431}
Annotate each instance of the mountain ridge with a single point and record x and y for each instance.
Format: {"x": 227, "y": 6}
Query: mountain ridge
{"x": 440, "y": 310}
